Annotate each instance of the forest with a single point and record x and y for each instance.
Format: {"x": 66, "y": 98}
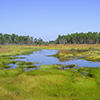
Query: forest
{"x": 16, "y": 39}
{"x": 79, "y": 38}
{"x": 73, "y": 38}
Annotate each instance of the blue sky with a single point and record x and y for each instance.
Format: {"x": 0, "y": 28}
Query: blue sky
{"x": 49, "y": 18}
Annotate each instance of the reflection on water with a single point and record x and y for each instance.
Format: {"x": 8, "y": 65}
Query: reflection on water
{"x": 43, "y": 59}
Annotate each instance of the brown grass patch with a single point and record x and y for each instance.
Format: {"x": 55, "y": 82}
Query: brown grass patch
{"x": 3, "y": 50}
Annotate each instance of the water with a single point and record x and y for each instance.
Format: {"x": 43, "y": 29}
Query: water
{"x": 43, "y": 58}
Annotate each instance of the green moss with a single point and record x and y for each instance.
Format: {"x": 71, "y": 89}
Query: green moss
{"x": 71, "y": 66}
{"x": 11, "y": 72}
{"x": 28, "y": 63}
{"x": 4, "y": 66}
{"x": 27, "y": 66}
{"x": 49, "y": 67}
{"x": 25, "y": 63}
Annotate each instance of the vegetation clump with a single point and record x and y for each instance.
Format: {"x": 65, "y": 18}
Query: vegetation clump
{"x": 71, "y": 66}
{"x": 87, "y": 54}
{"x": 49, "y": 67}
{"x": 27, "y": 66}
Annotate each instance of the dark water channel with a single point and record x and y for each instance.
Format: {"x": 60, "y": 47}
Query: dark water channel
{"x": 43, "y": 58}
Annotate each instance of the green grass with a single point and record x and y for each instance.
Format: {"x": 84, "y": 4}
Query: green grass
{"x": 49, "y": 82}
{"x": 7, "y": 53}
{"x": 90, "y": 54}
{"x": 49, "y": 85}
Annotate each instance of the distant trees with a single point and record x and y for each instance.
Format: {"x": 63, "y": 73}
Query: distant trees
{"x": 38, "y": 41}
{"x": 79, "y": 38}
{"x": 15, "y": 39}
{"x": 74, "y": 38}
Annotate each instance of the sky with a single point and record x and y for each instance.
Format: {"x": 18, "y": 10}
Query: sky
{"x": 49, "y": 18}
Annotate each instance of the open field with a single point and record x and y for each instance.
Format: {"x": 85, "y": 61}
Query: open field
{"x": 49, "y": 82}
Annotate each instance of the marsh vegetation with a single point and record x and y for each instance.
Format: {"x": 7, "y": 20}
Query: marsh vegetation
{"x": 49, "y": 81}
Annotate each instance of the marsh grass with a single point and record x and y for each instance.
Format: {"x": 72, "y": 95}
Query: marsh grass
{"x": 68, "y": 66}
{"x": 90, "y": 54}
{"x": 46, "y": 85}
{"x": 27, "y": 66}
{"x": 49, "y": 83}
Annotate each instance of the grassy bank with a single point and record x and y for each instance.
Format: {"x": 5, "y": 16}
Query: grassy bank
{"x": 49, "y": 83}
{"x": 87, "y": 53}
{"x": 8, "y": 51}
{"x": 71, "y": 84}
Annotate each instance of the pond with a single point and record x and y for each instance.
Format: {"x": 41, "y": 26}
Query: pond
{"x": 43, "y": 58}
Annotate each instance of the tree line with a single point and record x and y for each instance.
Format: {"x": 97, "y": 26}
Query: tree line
{"x": 79, "y": 38}
{"x": 16, "y": 39}
{"x": 74, "y": 38}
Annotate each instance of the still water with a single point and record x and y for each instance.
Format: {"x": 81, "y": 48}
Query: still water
{"x": 43, "y": 57}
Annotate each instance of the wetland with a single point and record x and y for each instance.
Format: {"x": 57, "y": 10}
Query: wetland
{"x": 48, "y": 57}
{"x": 57, "y": 72}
